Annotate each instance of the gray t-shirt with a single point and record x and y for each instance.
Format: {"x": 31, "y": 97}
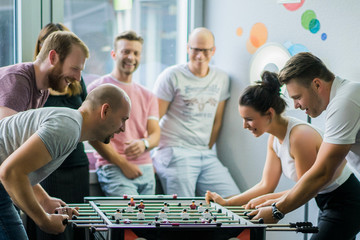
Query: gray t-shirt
{"x": 194, "y": 101}
{"x": 59, "y": 128}
{"x": 18, "y": 89}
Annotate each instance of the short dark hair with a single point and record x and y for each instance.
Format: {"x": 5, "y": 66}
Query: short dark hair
{"x": 304, "y": 67}
{"x": 264, "y": 95}
{"x": 128, "y": 35}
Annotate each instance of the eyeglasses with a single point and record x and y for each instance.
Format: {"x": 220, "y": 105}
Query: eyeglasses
{"x": 206, "y": 51}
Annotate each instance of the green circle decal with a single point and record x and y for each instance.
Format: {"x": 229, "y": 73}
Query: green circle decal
{"x": 306, "y": 18}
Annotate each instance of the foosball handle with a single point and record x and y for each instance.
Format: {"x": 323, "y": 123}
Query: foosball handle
{"x": 249, "y": 216}
{"x": 301, "y": 224}
{"x": 307, "y": 229}
{"x": 65, "y": 221}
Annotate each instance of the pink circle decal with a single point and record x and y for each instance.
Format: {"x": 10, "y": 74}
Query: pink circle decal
{"x": 293, "y": 6}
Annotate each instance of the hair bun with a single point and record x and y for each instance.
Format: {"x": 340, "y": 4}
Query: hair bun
{"x": 271, "y": 82}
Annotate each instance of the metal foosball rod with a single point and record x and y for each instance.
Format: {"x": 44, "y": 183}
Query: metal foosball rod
{"x": 303, "y": 227}
{"x": 297, "y": 229}
{"x": 292, "y": 225}
{"x": 74, "y": 222}
{"x": 98, "y": 229}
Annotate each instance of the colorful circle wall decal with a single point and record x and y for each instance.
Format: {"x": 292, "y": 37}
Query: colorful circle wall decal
{"x": 239, "y": 31}
{"x": 297, "y": 48}
{"x": 323, "y": 36}
{"x": 258, "y": 34}
{"x": 251, "y": 49}
{"x": 314, "y": 26}
{"x": 311, "y": 23}
{"x": 306, "y": 18}
{"x": 293, "y": 6}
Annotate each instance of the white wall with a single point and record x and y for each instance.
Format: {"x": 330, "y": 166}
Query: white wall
{"x": 237, "y": 148}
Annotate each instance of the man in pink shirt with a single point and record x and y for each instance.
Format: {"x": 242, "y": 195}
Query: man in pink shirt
{"x": 124, "y": 166}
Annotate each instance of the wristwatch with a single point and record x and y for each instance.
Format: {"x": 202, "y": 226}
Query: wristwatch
{"x": 146, "y": 143}
{"x": 276, "y": 213}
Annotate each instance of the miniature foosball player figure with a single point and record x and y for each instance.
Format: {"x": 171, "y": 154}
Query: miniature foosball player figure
{"x": 162, "y": 214}
{"x": 140, "y": 215}
{"x": 201, "y": 208}
{"x": 206, "y": 214}
{"x": 118, "y": 214}
{"x": 185, "y": 215}
{"x": 193, "y": 205}
{"x": 132, "y": 202}
{"x": 127, "y": 221}
{"x": 166, "y": 207}
{"x": 141, "y": 205}
{"x": 129, "y": 208}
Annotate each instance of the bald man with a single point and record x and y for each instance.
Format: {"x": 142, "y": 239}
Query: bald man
{"x": 191, "y": 100}
{"x": 35, "y": 142}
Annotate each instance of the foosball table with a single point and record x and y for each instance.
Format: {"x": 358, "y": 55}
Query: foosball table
{"x": 169, "y": 217}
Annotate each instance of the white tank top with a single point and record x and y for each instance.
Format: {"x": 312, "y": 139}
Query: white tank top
{"x": 288, "y": 163}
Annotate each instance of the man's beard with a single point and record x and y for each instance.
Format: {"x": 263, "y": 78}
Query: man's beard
{"x": 56, "y": 79}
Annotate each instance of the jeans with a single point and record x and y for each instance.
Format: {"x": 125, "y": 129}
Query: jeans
{"x": 190, "y": 172}
{"x": 11, "y": 226}
{"x": 114, "y": 183}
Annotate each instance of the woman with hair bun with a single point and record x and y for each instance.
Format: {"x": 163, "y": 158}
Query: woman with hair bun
{"x": 292, "y": 148}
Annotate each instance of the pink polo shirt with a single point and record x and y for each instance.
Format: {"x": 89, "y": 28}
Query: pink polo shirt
{"x": 144, "y": 106}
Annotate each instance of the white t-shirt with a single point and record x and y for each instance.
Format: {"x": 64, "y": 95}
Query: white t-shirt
{"x": 59, "y": 128}
{"x": 193, "y": 101}
{"x": 343, "y": 118}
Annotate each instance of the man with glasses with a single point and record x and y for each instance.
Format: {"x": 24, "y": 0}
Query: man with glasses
{"x": 191, "y": 99}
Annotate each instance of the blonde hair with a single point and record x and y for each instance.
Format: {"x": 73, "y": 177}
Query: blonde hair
{"x": 62, "y": 43}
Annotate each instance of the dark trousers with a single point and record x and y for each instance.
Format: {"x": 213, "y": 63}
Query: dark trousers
{"x": 339, "y": 212}
{"x": 70, "y": 185}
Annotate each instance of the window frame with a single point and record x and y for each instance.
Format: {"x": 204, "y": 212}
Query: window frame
{"x": 31, "y": 17}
